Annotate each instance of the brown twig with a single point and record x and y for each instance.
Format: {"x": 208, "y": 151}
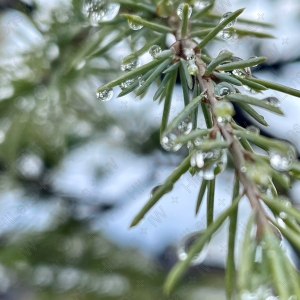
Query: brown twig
{"x": 236, "y": 150}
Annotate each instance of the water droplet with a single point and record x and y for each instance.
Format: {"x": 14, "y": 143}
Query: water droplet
{"x": 167, "y": 189}
{"x": 127, "y": 83}
{"x": 154, "y": 190}
{"x": 197, "y": 159}
{"x": 224, "y": 111}
{"x": 197, "y": 142}
{"x": 135, "y": 63}
{"x": 192, "y": 68}
{"x": 105, "y": 95}
{"x": 180, "y": 10}
{"x": 155, "y": 49}
{"x": 238, "y": 72}
{"x": 100, "y": 10}
{"x": 286, "y": 202}
{"x": 217, "y": 164}
{"x": 253, "y": 57}
{"x": 226, "y": 34}
{"x": 282, "y": 160}
{"x": 80, "y": 65}
{"x": 141, "y": 81}
{"x": 189, "y": 54}
{"x": 52, "y": 51}
{"x": 210, "y": 163}
{"x": 190, "y": 145}
{"x": 199, "y": 5}
{"x": 253, "y": 129}
{"x": 225, "y": 16}
{"x": 134, "y": 26}
{"x": 277, "y": 233}
{"x": 262, "y": 292}
{"x": 6, "y": 91}
{"x": 167, "y": 142}
{"x": 243, "y": 169}
{"x": 2, "y": 136}
{"x": 186, "y": 126}
{"x": 273, "y": 101}
{"x": 30, "y": 165}
{"x": 223, "y": 89}
{"x": 259, "y": 174}
{"x": 185, "y": 245}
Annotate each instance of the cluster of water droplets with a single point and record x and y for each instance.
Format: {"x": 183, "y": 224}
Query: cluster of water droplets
{"x": 227, "y": 34}
{"x": 282, "y": 160}
{"x": 185, "y": 245}
{"x": 168, "y": 139}
{"x": 180, "y": 10}
{"x": 100, "y": 10}
{"x": 209, "y": 164}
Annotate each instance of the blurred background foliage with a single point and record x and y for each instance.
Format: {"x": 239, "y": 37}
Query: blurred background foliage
{"x": 50, "y": 245}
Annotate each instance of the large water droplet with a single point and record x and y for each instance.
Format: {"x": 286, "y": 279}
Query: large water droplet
{"x": 100, "y": 10}
{"x": 134, "y": 26}
{"x": 105, "y": 95}
{"x": 185, "y": 245}
{"x": 225, "y": 16}
{"x": 155, "y": 49}
{"x": 273, "y": 101}
{"x": 135, "y": 63}
{"x": 282, "y": 160}
{"x": 167, "y": 142}
{"x": 180, "y": 10}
